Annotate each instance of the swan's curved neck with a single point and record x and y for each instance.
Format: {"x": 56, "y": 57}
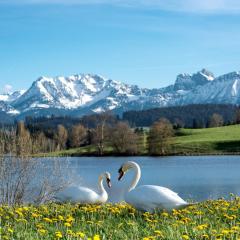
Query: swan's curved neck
{"x": 100, "y": 186}
{"x": 136, "y": 177}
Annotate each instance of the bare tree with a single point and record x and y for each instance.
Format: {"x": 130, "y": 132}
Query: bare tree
{"x": 123, "y": 139}
{"x": 23, "y": 140}
{"x": 77, "y": 135}
{"x": 61, "y": 136}
{"x": 24, "y": 179}
{"x": 159, "y": 136}
{"x": 216, "y": 120}
{"x": 100, "y": 132}
{"x": 39, "y": 142}
{"x": 8, "y": 141}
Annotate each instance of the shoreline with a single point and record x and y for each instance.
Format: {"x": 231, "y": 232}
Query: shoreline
{"x": 137, "y": 155}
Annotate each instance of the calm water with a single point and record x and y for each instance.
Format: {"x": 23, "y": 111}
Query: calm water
{"x": 194, "y": 177}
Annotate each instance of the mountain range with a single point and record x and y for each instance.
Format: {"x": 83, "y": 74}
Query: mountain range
{"x": 83, "y": 94}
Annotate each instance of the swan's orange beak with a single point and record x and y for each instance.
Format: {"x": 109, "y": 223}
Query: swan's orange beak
{"x": 121, "y": 173}
{"x": 109, "y": 182}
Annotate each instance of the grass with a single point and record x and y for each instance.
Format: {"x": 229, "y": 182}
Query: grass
{"x": 220, "y": 140}
{"x": 217, "y": 219}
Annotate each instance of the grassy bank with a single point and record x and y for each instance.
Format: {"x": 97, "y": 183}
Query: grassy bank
{"x": 218, "y": 219}
{"x": 221, "y": 140}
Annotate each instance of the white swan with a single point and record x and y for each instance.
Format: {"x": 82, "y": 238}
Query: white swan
{"x": 149, "y": 197}
{"x": 85, "y": 195}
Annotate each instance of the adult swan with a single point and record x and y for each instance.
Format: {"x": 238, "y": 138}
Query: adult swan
{"x": 85, "y": 195}
{"x": 149, "y": 197}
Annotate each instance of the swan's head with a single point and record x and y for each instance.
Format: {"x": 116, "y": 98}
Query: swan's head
{"x": 124, "y": 168}
{"x": 108, "y": 179}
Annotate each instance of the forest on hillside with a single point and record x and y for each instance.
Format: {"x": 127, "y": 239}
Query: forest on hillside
{"x": 190, "y": 116}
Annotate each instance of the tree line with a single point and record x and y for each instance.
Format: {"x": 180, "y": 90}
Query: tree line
{"x": 106, "y": 135}
{"x": 190, "y": 116}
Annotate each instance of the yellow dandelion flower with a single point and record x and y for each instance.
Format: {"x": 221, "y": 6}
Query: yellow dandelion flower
{"x": 201, "y": 227}
{"x": 42, "y": 231}
{"x": 69, "y": 219}
{"x": 80, "y": 234}
{"x": 165, "y": 214}
{"x": 67, "y": 224}
{"x": 225, "y": 231}
{"x": 96, "y": 237}
{"x": 48, "y": 220}
{"x": 19, "y": 213}
{"x": 158, "y": 232}
{"x": 185, "y": 237}
{"x": 58, "y": 234}
{"x": 235, "y": 228}
{"x": 25, "y": 209}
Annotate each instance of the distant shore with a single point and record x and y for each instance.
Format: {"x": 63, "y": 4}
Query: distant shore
{"x": 56, "y": 154}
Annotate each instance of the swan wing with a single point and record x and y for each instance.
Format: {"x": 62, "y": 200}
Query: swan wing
{"x": 67, "y": 194}
{"x": 77, "y": 194}
{"x": 87, "y": 195}
{"x": 151, "y": 197}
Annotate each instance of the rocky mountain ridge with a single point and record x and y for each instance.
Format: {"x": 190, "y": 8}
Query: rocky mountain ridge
{"x": 82, "y": 94}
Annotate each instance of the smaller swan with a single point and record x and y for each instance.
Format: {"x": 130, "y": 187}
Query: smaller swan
{"x": 149, "y": 197}
{"x": 85, "y": 195}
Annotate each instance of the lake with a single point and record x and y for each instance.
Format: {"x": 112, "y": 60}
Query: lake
{"x": 193, "y": 177}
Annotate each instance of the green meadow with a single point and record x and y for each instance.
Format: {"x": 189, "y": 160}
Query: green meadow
{"x": 210, "y": 220}
{"x": 220, "y": 140}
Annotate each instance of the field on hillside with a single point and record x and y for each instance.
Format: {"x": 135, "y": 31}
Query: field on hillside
{"x": 218, "y": 140}
{"x": 219, "y": 219}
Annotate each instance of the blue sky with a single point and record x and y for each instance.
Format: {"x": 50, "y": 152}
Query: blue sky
{"x": 144, "y": 42}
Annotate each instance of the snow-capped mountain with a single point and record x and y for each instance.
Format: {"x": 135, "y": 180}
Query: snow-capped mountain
{"x": 188, "y": 82}
{"x": 10, "y": 97}
{"x": 76, "y": 92}
{"x": 224, "y": 89}
{"x": 6, "y": 101}
{"x": 85, "y": 93}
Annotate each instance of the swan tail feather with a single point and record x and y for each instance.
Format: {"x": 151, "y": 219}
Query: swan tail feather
{"x": 185, "y": 205}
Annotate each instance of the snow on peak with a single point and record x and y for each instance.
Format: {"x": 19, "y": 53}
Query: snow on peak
{"x": 186, "y": 81}
{"x": 207, "y": 74}
{"x": 88, "y": 93}
{"x": 11, "y": 96}
{"x": 69, "y": 92}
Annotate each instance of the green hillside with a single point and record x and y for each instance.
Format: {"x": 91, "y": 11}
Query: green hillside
{"x": 208, "y": 140}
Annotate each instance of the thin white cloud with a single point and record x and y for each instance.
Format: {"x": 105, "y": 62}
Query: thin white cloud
{"x": 201, "y": 6}
{"x": 7, "y": 88}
